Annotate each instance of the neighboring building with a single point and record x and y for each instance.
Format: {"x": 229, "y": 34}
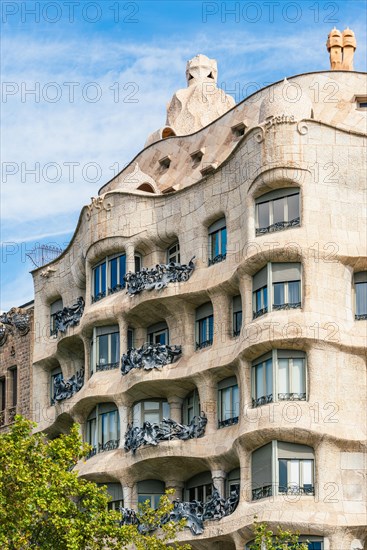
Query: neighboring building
{"x": 16, "y": 351}
{"x": 269, "y": 196}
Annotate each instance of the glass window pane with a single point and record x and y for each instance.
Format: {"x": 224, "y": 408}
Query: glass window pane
{"x": 215, "y": 244}
{"x": 200, "y": 493}
{"x": 166, "y": 409}
{"x": 151, "y": 405}
{"x": 157, "y": 498}
{"x": 260, "y": 390}
{"x": 283, "y": 376}
{"x": 294, "y": 472}
{"x": 96, "y": 281}
{"x": 226, "y": 404}
{"x": 152, "y": 417}
{"x": 278, "y": 210}
{"x": 143, "y": 498}
{"x": 307, "y": 472}
{"x": 283, "y": 474}
{"x": 103, "y": 278}
{"x": 298, "y": 377}
{"x": 361, "y": 298}
{"x": 293, "y": 207}
{"x": 269, "y": 377}
{"x": 211, "y": 327}
{"x": 122, "y": 261}
{"x": 294, "y": 292}
{"x": 278, "y": 289}
{"x": 102, "y": 346}
{"x": 113, "y": 273}
{"x": 258, "y": 295}
{"x": 223, "y": 240}
{"x": 265, "y": 296}
{"x": 263, "y": 214}
{"x": 137, "y": 264}
{"x": 115, "y": 347}
{"x": 202, "y": 325}
{"x": 235, "y": 401}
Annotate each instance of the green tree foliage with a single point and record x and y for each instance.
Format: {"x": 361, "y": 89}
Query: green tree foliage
{"x": 266, "y": 539}
{"x": 45, "y": 505}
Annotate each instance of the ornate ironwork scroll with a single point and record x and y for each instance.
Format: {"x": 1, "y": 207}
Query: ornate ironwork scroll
{"x": 278, "y": 226}
{"x": 195, "y": 512}
{"x": 152, "y": 434}
{"x": 14, "y": 318}
{"x": 69, "y": 316}
{"x": 110, "y": 445}
{"x": 158, "y": 277}
{"x": 149, "y": 356}
{"x": 64, "y": 389}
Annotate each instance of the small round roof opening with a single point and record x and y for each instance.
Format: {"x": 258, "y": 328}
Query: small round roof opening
{"x": 146, "y": 187}
{"x": 167, "y": 132}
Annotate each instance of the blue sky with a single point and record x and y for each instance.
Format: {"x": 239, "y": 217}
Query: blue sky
{"x": 102, "y": 73}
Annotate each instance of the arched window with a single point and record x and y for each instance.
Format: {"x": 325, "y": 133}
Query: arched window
{"x": 277, "y": 210}
{"x": 114, "y": 490}
{"x": 217, "y": 241}
{"x": 228, "y": 402}
{"x": 103, "y": 428}
{"x": 292, "y": 466}
{"x": 279, "y": 375}
{"x": 276, "y": 286}
{"x": 150, "y": 490}
{"x": 360, "y": 287}
{"x": 204, "y": 327}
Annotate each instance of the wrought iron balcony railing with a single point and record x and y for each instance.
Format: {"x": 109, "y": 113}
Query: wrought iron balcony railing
{"x": 108, "y": 446}
{"x": 263, "y": 400}
{"x": 217, "y": 259}
{"x": 278, "y": 226}
{"x": 361, "y": 317}
{"x": 292, "y": 396}
{"x": 204, "y": 344}
{"x": 259, "y": 312}
{"x": 278, "y": 307}
{"x": 228, "y": 422}
{"x": 262, "y": 492}
{"x": 149, "y": 356}
{"x": 99, "y": 296}
{"x": 107, "y": 366}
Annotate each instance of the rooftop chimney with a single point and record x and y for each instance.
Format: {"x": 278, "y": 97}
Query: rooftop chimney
{"x": 341, "y": 47}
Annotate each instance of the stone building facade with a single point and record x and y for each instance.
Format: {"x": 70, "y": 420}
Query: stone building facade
{"x": 254, "y": 351}
{"x": 16, "y": 353}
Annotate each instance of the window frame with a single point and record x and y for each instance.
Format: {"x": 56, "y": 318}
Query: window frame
{"x": 162, "y": 408}
{"x": 266, "y": 292}
{"x": 156, "y": 330}
{"x": 56, "y": 373}
{"x": 359, "y": 279}
{"x": 95, "y": 417}
{"x": 229, "y": 384}
{"x": 281, "y": 450}
{"x": 270, "y": 198}
{"x": 236, "y": 315}
{"x": 173, "y": 255}
{"x": 204, "y": 322}
{"x": 54, "y": 309}
{"x": 105, "y": 281}
{"x": 274, "y": 357}
{"x": 149, "y": 492}
{"x": 189, "y": 411}
{"x": 217, "y": 230}
{"x": 95, "y": 343}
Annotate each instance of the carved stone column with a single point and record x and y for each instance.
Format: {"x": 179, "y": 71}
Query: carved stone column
{"x": 175, "y": 404}
{"x": 133, "y": 495}
{"x": 207, "y": 389}
{"x": 130, "y": 258}
{"x": 222, "y": 317}
{"x": 219, "y": 480}
{"x": 123, "y": 325}
{"x": 127, "y": 491}
{"x": 178, "y": 487}
{"x": 124, "y": 420}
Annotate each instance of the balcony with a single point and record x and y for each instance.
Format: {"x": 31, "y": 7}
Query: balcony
{"x": 204, "y": 344}
{"x": 227, "y": 422}
{"x": 278, "y": 307}
{"x": 217, "y": 259}
{"x": 263, "y": 400}
{"x": 262, "y": 492}
{"x": 107, "y": 366}
{"x": 278, "y": 226}
{"x": 101, "y": 448}
{"x": 259, "y": 313}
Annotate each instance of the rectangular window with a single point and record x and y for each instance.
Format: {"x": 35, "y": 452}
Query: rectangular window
{"x": 296, "y": 476}
{"x": 262, "y": 383}
{"x": 107, "y": 348}
{"x": 99, "y": 282}
{"x": 228, "y": 403}
{"x": 217, "y": 241}
{"x": 2, "y": 394}
{"x": 173, "y": 254}
{"x": 360, "y": 287}
{"x": 205, "y": 330}
{"x": 117, "y": 272}
{"x": 55, "y": 307}
{"x": 130, "y": 338}
{"x": 277, "y": 210}
{"x": 286, "y": 283}
{"x": 14, "y": 386}
{"x": 237, "y": 315}
{"x": 137, "y": 263}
